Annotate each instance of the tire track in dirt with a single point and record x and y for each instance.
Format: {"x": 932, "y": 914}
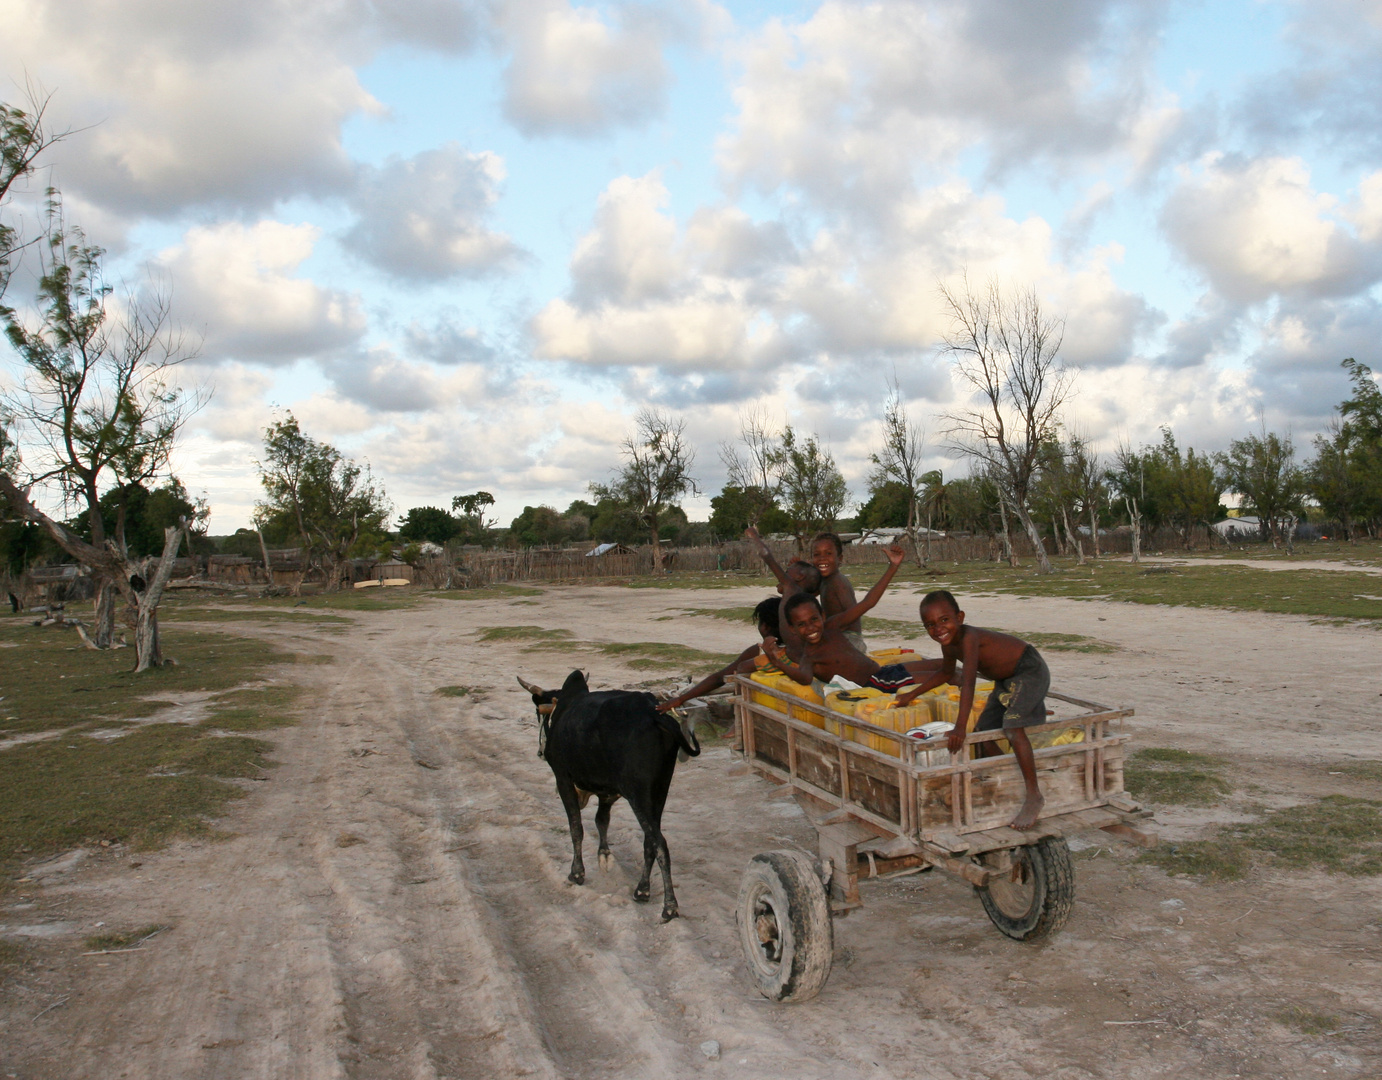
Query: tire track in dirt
{"x": 615, "y": 992}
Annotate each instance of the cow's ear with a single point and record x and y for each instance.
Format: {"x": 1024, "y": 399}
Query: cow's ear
{"x": 575, "y": 683}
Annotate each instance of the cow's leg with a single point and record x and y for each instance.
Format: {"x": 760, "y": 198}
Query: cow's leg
{"x": 602, "y": 824}
{"x": 664, "y": 856}
{"x": 639, "y": 805}
{"x": 572, "y": 801}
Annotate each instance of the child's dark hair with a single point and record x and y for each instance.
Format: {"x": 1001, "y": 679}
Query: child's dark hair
{"x": 798, "y": 600}
{"x": 940, "y": 596}
{"x": 810, "y": 575}
{"x": 834, "y": 539}
{"x": 766, "y": 614}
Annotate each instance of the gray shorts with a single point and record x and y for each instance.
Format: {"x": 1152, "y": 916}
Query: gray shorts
{"x": 1020, "y": 699}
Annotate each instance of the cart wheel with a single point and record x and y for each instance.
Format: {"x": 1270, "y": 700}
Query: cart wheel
{"x": 1035, "y": 900}
{"x": 784, "y": 926}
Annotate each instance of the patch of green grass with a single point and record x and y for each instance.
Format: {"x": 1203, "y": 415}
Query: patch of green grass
{"x": 646, "y": 655}
{"x": 203, "y": 613}
{"x": 51, "y": 681}
{"x": 907, "y": 631}
{"x": 729, "y": 614}
{"x": 12, "y": 954}
{"x": 153, "y": 783}
{"x": 123, "y": 939}
{"x": 1169, "y": 776}
{"x": 520, "y": 633}
{"x": 1066, "y": 642}
{"x": 1339, "y": 834}
{"x": 455, "y": 691}
{"x": 253, "y": 708}
{"x": 1320, "y": 593}
{"x": 489, "y": 592}
{"x": 1307, "y": 1021}
{"x": 709, "y": 579}
{"x": 1360, "y": 770}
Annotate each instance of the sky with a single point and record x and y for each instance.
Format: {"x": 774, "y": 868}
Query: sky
{"x": 467, "y": 240}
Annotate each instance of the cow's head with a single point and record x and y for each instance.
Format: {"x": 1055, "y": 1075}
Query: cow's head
{"x": 552, "y": 703}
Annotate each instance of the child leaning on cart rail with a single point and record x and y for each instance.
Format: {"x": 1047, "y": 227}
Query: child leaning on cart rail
{"x": 1018, "y": 700}
{"x": 750, "y": 660}
{"x": 826, "y": 652}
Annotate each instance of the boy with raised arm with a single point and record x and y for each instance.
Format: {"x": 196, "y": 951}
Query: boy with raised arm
{"x": 747, "y": 662}
{"x": 837, "y": 591}
{"x": 826, "y": 652}
{"x": 1021, "y": 679}
{"x": 798, "y": 577}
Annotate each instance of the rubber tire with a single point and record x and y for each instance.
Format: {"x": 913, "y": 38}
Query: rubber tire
{"x": 1053, "y": 895}
{"x": 786, "y": 882}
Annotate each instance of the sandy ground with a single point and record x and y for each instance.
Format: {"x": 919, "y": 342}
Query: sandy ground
{"x": 1263, "y": 564}
{"x": 392, "y": 901}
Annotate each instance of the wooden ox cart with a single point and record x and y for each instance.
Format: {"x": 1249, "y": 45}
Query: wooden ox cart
{"x": 881, "y": 814}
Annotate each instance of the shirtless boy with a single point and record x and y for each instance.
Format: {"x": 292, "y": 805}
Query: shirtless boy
{"x": 1018, "y": 700}
{"x": 750, "y": 660}
{"x": 798, "y": 577}
{"x": 837, "y": 592}
{"x": 826, "y": 652}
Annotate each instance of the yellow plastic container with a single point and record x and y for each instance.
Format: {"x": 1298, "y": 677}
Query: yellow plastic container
{"x": 893, "y": 656}
{"x": 787, "y": 685}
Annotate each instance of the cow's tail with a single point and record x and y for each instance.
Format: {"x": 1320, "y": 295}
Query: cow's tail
{"x": 688, "y": 746}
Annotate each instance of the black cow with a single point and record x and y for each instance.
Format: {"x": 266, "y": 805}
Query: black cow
{"x": 609, "y": 744}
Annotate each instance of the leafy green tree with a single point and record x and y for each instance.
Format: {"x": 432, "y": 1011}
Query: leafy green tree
{"x": 656, "y": 474}
{"x": 136, "y": 516}
{"x": 972, "y": 504}
{"x": 96, "y": 404}
{"x": 23, "y": 138}
{"x": 735, "y": 509}
{"x": 813, "y": 489}
{"x": 890, "y": 506}
{"x": 318, "y": 497}
{"x": 1345, "y": 476}
{"x": 1262, "y": 470}
{"x": 538, "y": 526}
{"x": 428, "y": 524}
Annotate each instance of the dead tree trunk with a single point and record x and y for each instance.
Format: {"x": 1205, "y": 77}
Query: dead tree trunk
{"x": 1034, "y": 535}
{"x": 1135, "y": 523}
{"x": 1073, "y": 538}
{"x": 147, "y": 650}
{"x": 1008, "y": 551}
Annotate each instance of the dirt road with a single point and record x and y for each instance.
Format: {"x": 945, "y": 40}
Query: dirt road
{"x": 392, "y": 902}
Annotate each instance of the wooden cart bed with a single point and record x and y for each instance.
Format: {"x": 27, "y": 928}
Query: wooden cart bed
{"x": 904, "y": 810}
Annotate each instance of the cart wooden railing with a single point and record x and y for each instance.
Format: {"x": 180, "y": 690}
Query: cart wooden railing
{"x": 910, "y": 809}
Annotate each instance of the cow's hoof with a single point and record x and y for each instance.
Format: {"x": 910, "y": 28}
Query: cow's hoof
{"x": 576, "y": 878}
{"x": 670, "y": 913}
{"x": 641, "y": 895}
{"x": 606, "y": 861}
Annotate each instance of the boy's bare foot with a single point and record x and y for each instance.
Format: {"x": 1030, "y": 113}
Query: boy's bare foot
{"x": 1031, "y": 810}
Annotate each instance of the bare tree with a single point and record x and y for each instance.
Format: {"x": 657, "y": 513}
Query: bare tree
{"x": 1088, "y": 476}
{"x": 97, "y": 405}
{"x": 756, "y": 469}
{"x": 1129, "y": 480}
{"x": 656, "y": 473}
{"x": 900, "y": 461}
{"x": 1007, "y": 349}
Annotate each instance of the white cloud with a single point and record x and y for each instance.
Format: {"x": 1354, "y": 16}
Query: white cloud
{"x": 423, "y": 217}
{"x": 234, "y": 284}
{"x": 574, "y": 72}
{"x": 848, "y": 105}
{"x": 1257, "y": 228}
{"x": 218, "y": 102}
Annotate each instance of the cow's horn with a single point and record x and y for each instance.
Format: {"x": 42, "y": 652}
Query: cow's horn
{"x": 530, "y": 687}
